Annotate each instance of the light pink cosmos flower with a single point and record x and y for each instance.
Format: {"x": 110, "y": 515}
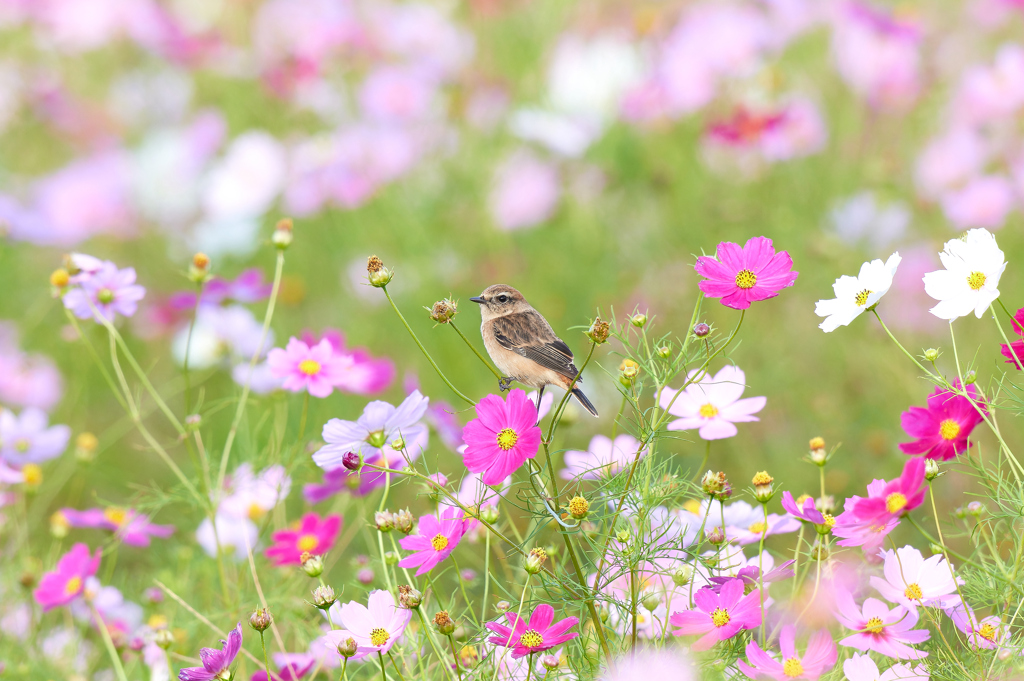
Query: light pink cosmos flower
{"x": 26, "y": 379}
{"x": 314, "y": 369}
{"x": 985, "y": 632}
{"x": 819, "y": 657}
{"x": 526, "y": 191}
{"x": 435, "y": 539}
{"x": 109, "y": 291}
{"x": 372, "y": 434}
{"x": 67, "y": 581}
{"x": 983, "y": 202}
{"x": 740, "y": 276}
{"x": 712, "y": 405}
{"x": 313, "y": 535}
{"x": 912, "y": 580}
{"x": 987, "y": 94}
{"x": 539, "y": 634}
{"x": 745, "y": 524}
{"x": 603, "y": 459}
{"x": 376, "y": 626}
{"x": 132, "y": 527}
{"x": 863, "y": 668}
{"x": 121, "y": 616}
{"x": 644, "y": 665}
{"x": 879, "y": 629}
{"x": 25, "y": 438}
{"x": 502, "y": 436}
{"x": 719, "y": 616}
{"x": 396, "y": 95}
{"x": 361, "y": 373}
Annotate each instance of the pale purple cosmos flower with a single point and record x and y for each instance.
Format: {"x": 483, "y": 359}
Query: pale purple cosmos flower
{"x": 121, "y": 616}
{"x": 745, "y": 524}
{"x": 863, "y": 668}
{"x": 235, "y": 536}
{"x": 435, "y": 539}
{"x": 27, "y": 439}
{"x": 131, "y": 526}
{"x": 109, "y": 291}
{"x": 604, "y": 458}
{"x": 879, "y": 629}
{"x": 819, "y": 657}
{"x": 215, "y": 662}
{"x": 912, "y": 580}
{"x": 719, "y": 616}
{"x": 712, "y": 405}
{"x": 982, "y": 632}
{"x": 950, "y": 161}
{"x": 315, "y": 369}
{"x": 372, "y": 434}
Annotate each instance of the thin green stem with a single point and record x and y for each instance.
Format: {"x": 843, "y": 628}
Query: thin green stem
{"x": 395, "y": 665}
{"x": 433, "y": 643}
{"x": 266, "y": 661}
{"x": 455, "y": 656}
{"x": 760, "y": 566}
{"x": 383, "y": 675}
{"x": 497, "y": 374}
{"x": 188, "y": 353}
{"x": 108, "y": 644}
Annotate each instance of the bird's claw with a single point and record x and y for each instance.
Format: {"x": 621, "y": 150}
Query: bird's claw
{"x": 504, "y": 383}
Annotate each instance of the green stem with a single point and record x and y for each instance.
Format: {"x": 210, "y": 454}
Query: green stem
{"x": 476, "y": 352}
{"x": 433, "y": 643}
{"x": 266, "y": 662}
{"x": 380, "y": 656}
{"x": 109, "y": 644}
{"x": 188, "y": 352}
{"x": 395, "y": 665}
{"x": 760, "y": 567}
{"x": 455, "y": 655}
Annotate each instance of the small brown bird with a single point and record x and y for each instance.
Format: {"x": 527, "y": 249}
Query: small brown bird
{"x": 523, "y": 346}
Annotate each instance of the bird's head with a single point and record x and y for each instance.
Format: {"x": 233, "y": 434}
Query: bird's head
{"x": 500, "y": 300}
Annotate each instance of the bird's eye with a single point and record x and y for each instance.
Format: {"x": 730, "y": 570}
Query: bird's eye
{"x": 503, "y": 298}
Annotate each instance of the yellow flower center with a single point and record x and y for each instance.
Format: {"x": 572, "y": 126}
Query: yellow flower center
{"x": 861, "y": 298}
{"x": 758, "y": 528}
{"x": 746, "y": 279}
{"x": 874, "y": 625}
{"x": 830, "y": 520}
{"x": 708, "y": 411}
{"x": 792, "y": 668}
{"x": 105, "y": 295}
{"x": 439, "y": 542}
{"x": 307, "y": 542}
{"x": 895, "y": 502}
{"x": 762, "y": 478}
{"x": 115, "y": 515}
{"x": 379, "y": 636}
{"x": 310, "y": 367}
{"x": 255, "y": 511}
{"x": 720, "y": 617}
{"x": 976, "y": 280}
{"x": 531, "y": 639}
{"x": 32, "y": 473}
{"x": 22, "y": 444}
{"x": 913, "y": 592}
{"x": 949, "y": 429}
{"x": 987, "y": 631}
{"x": 73, "y": 586}
{"x": 507, "y": 439}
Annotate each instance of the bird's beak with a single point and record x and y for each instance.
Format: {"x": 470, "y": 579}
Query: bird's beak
{"x": 478, "y": 299}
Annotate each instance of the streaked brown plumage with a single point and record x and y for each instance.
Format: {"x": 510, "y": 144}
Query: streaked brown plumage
{"x": 523, "y": 345}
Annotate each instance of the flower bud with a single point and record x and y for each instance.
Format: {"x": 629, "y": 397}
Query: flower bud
{"x": 436, "y": 480}
{"x": 323, "y": 597}
{"x": 443, "y": 623}
{"x": 598, "y": 331}
{"x": 404, "y": 521}
{"x": 763, "y": 490}
{"x": 819, "y": 551}
{"x": 199, "y": 270}
{"x": 261, "y": 619}
{"x": 711, "y": 483}
{"x": 384, "y": 520}
{"x": 312, "y": 565}
{"x": 935, "y": 549}
{"x": 701, "y": 330}
{"x": 351, "y": 461}
{"x": 623, "y": 536}
{"x": 391, "y": 558}
{"x": 1004, "y": 654}
{"x": 282, "y": 237}
{"x": 818, "y": 454}
{"x": 348, "y": 648}
{"x": 365, "y": 576}
{"x": 970, "y": 377}
{"x": 975, "y": 508}
{"x": 682, "y": 575}
{"x": 817, "y": 443}
{"x": 444, "y": 311}
{"x": 85, "y": 447}
{"x": 717, "y": 537}
{"x": 534, "y": 560}
{"x": 408, "y": 597}
{"x": 502, "y": 606}
{"x": 549, "y": 662}
{"x": 398, "y": 444}
{"x": 163, "y": 638}
{"x": 826, "y": 503}
{"x": 931, "y": 469}
{"x": 628, "y": 371}
{"x": 578, "y": 507}
{"x": 652, "y": 600}
{"x": 377, "y": 274}
{"x": 638, "y": 320}
{"x": 664, "y": 352}
{"x": 826, "y": 526}
{"x": 931, "y": 354}
{"x": 59, "y": 278}
{"x": 59, "y": 525}
{"x": 489, "y": 514}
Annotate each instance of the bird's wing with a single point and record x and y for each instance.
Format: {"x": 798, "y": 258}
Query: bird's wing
{"x": 529, "y": 334}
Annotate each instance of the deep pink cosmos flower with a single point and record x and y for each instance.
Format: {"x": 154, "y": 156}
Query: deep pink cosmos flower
{"x": 899, "y": 496}
{"x": 132, "y": 527}
{"x": 1014, "y": 352}
{"x": 741, "y": 276}
{"x": 215, "y": 662}
{"x": 869, "y": 534}
{"x": 819, "y": 657}
{"x": 880, "y": 629}
{"x": 712, "y": 405}
{"x": 108, "y": 290}
{"x": 806, "y": 510}
{"x": 316, "y": 369}
{"x": 943, "y": 427}
{"x": 434, "y": 541}
{"x": 313, "y": 535}
{"x": 540, "y": 633}
{"x": 66, "y": 582}
{"x": 719, "y": 616}
{"x": 502, "y": 437}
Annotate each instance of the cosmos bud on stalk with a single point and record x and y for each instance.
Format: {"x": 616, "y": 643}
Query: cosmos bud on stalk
{"x": 717, "y": 537}
{"x": 351, "y": 461}
{"x": 818, "y": 454}
{"x": 970, "y": 377}
{"x": 578, "y": 507}
{"x": 163, "y": 638}
{"x": 312, "y": 565}
{"x": 408, "y": 597}
{"x": 701, "y": 330}
{"x": 85, "y": 447}
{"x": 199, "y": 270}
{"x": 59, "y": 525}
{"x": 549, "y": 662}
{"x": 665, "y": 352}
{"x": 652, "y": 600}
{"x": 398, "y": 444}
{"x": 628, "y": 371}
{"x": 489, "y": 514}
{"x": 502, "y": 606}
{"x": 323, "y": 597}
{"x": 444, "y": 311}
{"x": 638, "y": 320}
{"x": 534, "y": 560}
{"x": 391, "y": 558}
{"x": 682, "y": 575}
{"x": 282, "y": 237}
{"x": 598, "y": 331}
{"x": 930, "y": 355}
{"x": 348, "y": 648}
{"x": 384, "y": 520}
{"x": 261, "y": 619}
{"x": 763, "y": 490}
{"x": 444, "y": 623}
{"x": 404, "y": 521}
{"x": 378, "y": 275}
{"x": 931, "y": 469}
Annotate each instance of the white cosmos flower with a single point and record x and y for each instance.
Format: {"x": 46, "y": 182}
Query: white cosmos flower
{"x": 970, "y": 281}
{"x": 854, "y": 295}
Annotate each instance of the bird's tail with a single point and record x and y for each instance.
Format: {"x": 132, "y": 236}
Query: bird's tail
{"x": 578, "y": 394}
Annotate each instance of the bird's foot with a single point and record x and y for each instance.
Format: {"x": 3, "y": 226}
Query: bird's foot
{"x": 505, "y": 383}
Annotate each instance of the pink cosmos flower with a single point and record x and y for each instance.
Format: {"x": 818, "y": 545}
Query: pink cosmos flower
{"x": 869, "y": 534}
{"x": 712, "y": 404}
{"x": 215, "y": 662}
{"x": 361, "y": 373}
{"x": 806, "y": 510}
{"x": 502, "y": 436}
{"x": 603, "y": 458}
{"x": 64, "y": 584}
{"x": 1014, "y": 352}
{"x": 27, "y": 439}
{"x": 911, "y": 580}
{"x": 312, "y": 535}
{"x": 396, "y": 95}
{"x": 745, "y": 524}
{"x": 526, "y": 191}
{"x": 109, "y": 291}
{"x": 644, "y": 665}
{"x": 376, "y": 626}
{"x": 986, "y": 632}
{"x": 880, "y": 629}
{"x": 719, "y": 616}
{"x": 987, "y": 94}
{"x": 540, "y": 633}
{"x": 435, "y": 539}
{"x": 897, "y": 497}
{"x": 983, "y": 202}
{"x": 315, "y": 369}
{"x": 819, "y": 657}
{"x": 132, "y": 527}
{"x": 863, "y": 668}
{"x": 247, "y": 287}
{"x": 943, "y": 427}
{"x": 740, "y": 276}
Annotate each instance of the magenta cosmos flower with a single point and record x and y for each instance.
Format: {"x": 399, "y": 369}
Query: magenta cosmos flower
{"x": 434, "y": 541}
{"x": 712, "y": 405}
{"x": 879, "y": 629}
{"x": 375, "y": 626}
{"x": 741, "y": 276}
{"x": 943, "y": 427}
{"x": 868, "y": 533}
{"x": 67, "y": 580}
{"x": 502, "y": 437}
{"x": 1014, "y": 352}
{"x": 820, "y": 656}
{"x": 312, "y": 535}
{"x": 108, "y": 290}
{"x": 719, "y": 616}
{"x": 215, "y": 662}
{"x": 899, "y": 496}
{"x": 315, "y": 369}
{"x": 132, "y": 527}
{"x": 805, "y": 510}
{"x": 540, "y": 633}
